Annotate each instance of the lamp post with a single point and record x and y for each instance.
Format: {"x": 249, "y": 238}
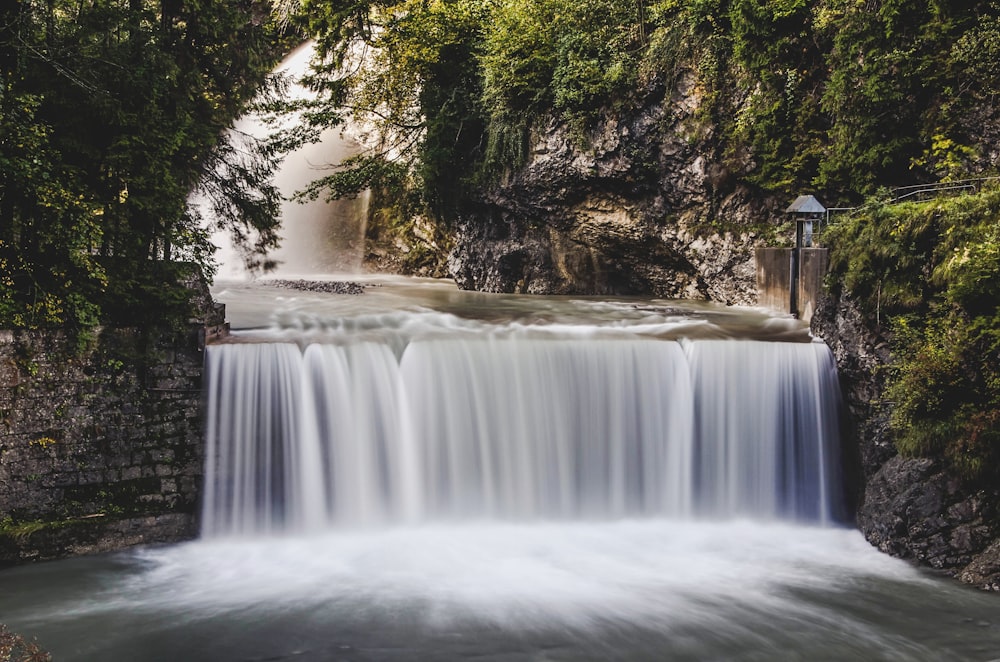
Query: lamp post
{"x": 806, "y": 210}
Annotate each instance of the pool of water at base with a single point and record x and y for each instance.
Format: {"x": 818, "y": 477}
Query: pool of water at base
{"x": 618, "y": 590}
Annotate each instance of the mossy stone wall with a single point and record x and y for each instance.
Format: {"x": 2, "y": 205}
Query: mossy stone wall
{"x": 100, "y": 447}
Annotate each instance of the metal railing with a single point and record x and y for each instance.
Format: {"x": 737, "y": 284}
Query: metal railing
{"x": 974, "y": 184}
{"x": 916, "y": 192}
{"x": 934, "y": 191}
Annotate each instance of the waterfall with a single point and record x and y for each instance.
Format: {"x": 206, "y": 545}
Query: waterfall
{"x": 317, "y": 236}
{"x": 516, "y": 428}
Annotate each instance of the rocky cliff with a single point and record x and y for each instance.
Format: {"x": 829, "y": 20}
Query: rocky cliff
{"x": 912, "y": 508}
{"x": 645, "y": 208}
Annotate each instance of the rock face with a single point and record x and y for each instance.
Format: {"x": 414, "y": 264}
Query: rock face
{"x": 646, "y": 209}
{"x": 912, "y": 508}
{"x": 100, "y": 448}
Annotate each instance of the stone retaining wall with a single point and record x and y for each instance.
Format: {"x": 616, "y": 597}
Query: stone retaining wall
{"x": 99, "y": 448}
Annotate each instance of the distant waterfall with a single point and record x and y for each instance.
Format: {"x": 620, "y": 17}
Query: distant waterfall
{"x": 518, "y": 428}
{"x": 317, "y": 236}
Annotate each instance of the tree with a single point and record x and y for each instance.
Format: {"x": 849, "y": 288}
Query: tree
{"x": 889, "y": 88}
{"x": 408, "y": 71}
{"x": 112, "y": 112}
{"x": 453, "y": 86}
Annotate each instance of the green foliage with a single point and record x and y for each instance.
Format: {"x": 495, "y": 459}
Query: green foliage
{"x": 841, "y": 96}
{"x": 571, "y": 57}
{"x": 969, "y": 266}
{"x": 778, "y": 56}
{"x": 883, "y": 253}
{"x": 520, "y": 57}
{"x": 113, "y": 112}
{"x": 452, "y": 87}
{"x": 838, "y": 96}
{"x": 408, "y": 71}
{"x": 946, "y": 391}
{"x": 49, "y": 229}
{"x": 932, "y": 269}
{"x": 109, "y": 114}
{"x": 873, "y": 91}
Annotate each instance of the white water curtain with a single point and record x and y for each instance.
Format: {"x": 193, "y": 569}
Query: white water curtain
{"x": 518, "y": 428}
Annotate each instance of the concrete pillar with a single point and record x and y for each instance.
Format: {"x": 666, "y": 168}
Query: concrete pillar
{"x": 773, "y": 277}
{"x": 774, "y": 271}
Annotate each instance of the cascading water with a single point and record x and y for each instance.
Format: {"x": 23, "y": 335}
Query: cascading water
{"x": 424, "y": 474}
{"x": 518, "y": 428}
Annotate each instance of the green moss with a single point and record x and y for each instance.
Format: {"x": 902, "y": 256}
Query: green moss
{"x": 121, "y": 498}
{"x": 19, "y": 531}
{"x": 43, "y": 442}
{"x": 769, "y": 234}
{"x": 928, "y": 274}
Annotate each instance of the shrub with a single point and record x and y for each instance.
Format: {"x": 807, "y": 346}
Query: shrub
{"x": 932, "y": 270}
{"x": 13, "y": 648}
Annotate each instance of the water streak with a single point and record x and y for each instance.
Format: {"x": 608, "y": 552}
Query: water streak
{"x": 517, "y": 427}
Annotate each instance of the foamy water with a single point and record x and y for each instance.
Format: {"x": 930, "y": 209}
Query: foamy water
{"x": 630, "y": 589}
